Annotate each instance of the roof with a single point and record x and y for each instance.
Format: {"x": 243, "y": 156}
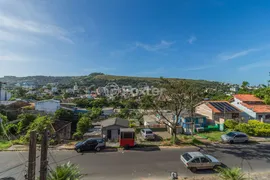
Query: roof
{"x": 247, "y": 97}
{"x": 49, "y": 100}
{"x": 115, "y": 121}
{"x": 258, "y": 108}
{"x": 127, "y": 130}
{"x": 195, "y": 154}
{"x": 221, "y": 106}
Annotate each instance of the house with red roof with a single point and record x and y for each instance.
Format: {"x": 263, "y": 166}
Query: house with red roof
{"x": 252, "y": 107}
{"x": 214, "y": 110}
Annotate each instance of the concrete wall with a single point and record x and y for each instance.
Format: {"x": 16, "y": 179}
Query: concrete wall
{"x": 204, "y": 110}
{"x": 114, "y": 130}
{"x": 248, "y": 114}
{"x": 47, "y": 106}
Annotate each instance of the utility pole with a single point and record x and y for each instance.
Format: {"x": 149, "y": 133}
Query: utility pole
{"x": 32, "y": 156}
{"x": 44, "y": 155}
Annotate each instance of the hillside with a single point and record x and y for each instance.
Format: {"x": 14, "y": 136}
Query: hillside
{"x": 99, "y": 79}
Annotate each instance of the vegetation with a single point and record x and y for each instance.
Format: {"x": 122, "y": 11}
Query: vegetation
{"x": 231, "y": 173}
{"x": 212, "y": 136}
{"x": 253, "y": 127}
{"x": 263, "y": 93}
{"x": 66, "y": 171}
{"x": 4, "y": 144}
{"x": 230, "y": 123}
{"x": 25, "y": 121}
{"x": 83, "y": 125}
{"x": 63, "y": 114}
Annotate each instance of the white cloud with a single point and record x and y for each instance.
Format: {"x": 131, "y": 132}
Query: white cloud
{"x": 197, "y": 68}
{"x": 226, "y": 57}
{"x": 192, "y": 39}
{"x": 20, "y": 26}
{"x": 155, "y": 47}
{"x": 261, "y": 64}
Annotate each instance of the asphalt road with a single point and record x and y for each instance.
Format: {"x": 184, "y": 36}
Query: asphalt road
{"x": 155, "y": 164}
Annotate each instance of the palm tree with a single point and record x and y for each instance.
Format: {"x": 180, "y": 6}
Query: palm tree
{"x": 231, "y": 173}
{"x": 66, "y": 171}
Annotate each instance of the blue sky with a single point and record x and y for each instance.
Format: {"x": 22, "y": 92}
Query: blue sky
{"x": 214, "y": 40}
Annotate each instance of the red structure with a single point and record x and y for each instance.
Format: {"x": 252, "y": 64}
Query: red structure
{"x": 127, "y": 137}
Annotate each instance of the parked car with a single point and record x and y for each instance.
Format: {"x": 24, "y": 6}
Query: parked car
{"x": 147, "y": 134}
{"x": 234, "y": 137}
{"x": 198, "y": 160}
{"x": 90, "y": 144}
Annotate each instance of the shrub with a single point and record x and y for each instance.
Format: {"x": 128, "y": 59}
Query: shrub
{"x": 231, "y": 173}
{"x": 230, "y": 123}
{"x": 254, "y": 122}
{"x": 246, "y": 128}
{"x": 77, "y": 136}
{"x": 261, "y": 132}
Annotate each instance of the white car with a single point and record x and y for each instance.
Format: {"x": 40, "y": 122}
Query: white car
{"x": 147, "y": 134}
{"x": 235, "y": 137}
{"x": 198, "y": 160}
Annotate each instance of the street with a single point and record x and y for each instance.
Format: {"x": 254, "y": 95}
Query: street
{"x": 138, "y": 164}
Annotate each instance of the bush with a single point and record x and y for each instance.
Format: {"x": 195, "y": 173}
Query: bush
{"x": 261, "y": 132}
{"x": 77, "y": 136}
{"x": 230, "y": 123}
{"x": 254, "y": 122}
{"x": 246, "y": 128}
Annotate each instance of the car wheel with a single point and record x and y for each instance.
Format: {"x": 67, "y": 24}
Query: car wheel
{"x": 193, "y": 169}
{"x": 98, "y": 149}
{"x": 246, "y": 141}
{"x": 78, "y": 150}
{"x": 231, "y": 141}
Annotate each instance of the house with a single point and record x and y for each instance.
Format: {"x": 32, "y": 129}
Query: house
{"x": 62, "y": 129}
{"x": 49, "y": 106}
{"x": 252, "y": 107}
{"x": 150, "y": 121}
{"x": 69, "y": 90}
{"x": 214, "y": 110}
{"x": 107, "y": 111}
{"x": 54, "y": 90}
{"x": 111, "y": 128}
{"x": 186, "y": 121}
{"x": 28, "y": 85}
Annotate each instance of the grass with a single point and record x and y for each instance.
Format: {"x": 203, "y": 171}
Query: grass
{"x": 212, "y": 136}
{"x": 4, "y": 144}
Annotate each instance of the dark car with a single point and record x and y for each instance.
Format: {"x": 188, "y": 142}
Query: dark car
{"x": 95, "y": 144}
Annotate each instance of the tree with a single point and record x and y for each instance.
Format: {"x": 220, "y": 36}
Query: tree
{"x": 67, "y": 171}
{"x": 131, "y": 104}
{"x": 63, "y": 114}
{"x": 146, "y": 102}
{"x": 95, "y": 113}
{"x": 193, "y": 96}
{"x": 173, "y": 99}
{"x": 102, "y": 102}
{"x": 83, "y": 125}
{"x": 83, "y": 103}
{"x": 40, "y": 124}
{"x": 2, "y": 124}
{"x": 25, "y": 121}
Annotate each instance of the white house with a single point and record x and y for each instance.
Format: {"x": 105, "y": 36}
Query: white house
{"x": 252, "y": 107}
{"x": 4, "y": 95}
{"x": 69, "y": 91}
{"x": 49, "y": 106}
{"x": 75, "y": 88}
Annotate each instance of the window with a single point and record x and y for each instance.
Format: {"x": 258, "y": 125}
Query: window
{"x": 260, "y": 116}
{"x": 186, "y": 156}
{"x": 231, "y": 134}
{"x": 241, "y": 135}
{"x": 267, "y": 116}
{"x": 149, "y": 132}
{"x": 204, "y": 160}
{"x": 197, "y": 160}
{"x": 142, "y": 130}
{"x": 127, "y": 135}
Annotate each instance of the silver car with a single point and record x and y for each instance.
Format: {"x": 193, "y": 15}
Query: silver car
{"x": 147, "y": 134}
{"x": 198, "y": 160}
{"x": 235, "y": 137}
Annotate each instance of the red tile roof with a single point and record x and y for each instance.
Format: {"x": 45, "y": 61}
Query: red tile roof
{"x": 247, "y": 97}
{"x": 258, "y": 108}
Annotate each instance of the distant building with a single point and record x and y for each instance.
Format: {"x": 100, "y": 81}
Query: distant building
{"x": 234, "y": 89}
{"x": 28, "y": 85}
{"x": 54, "y": 89}
{"x": 101, "y": 91}
{"x": 5, "y": 95}
{"x": 75, "y": 88}
{"x": 49, "y": 106}
{"x": 70, "y": 91}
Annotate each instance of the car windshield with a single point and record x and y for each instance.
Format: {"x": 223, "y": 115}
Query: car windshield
{"x": 187, "y": 157}
{"x": 231, "y": 134}
{"x": 148, "y": 132}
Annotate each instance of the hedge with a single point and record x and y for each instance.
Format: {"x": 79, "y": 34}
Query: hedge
{"x": 230, "y": 123}
{"x": 254, "y": 128}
